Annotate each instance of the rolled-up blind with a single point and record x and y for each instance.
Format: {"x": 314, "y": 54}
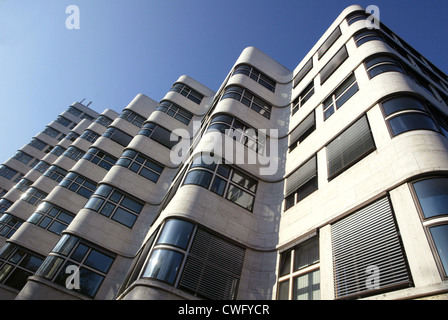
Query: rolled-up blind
{"x": 333, "y": 64}
{"x": 350, "y": 146}
{"x": 368, "y": 240}
{"x": 213, "y": 267}
{"x": 302, "y": 128}
{"x": 301, "y": 176}
{"x": 303, "y": 72}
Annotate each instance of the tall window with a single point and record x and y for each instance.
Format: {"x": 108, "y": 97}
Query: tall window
{"x": 432, "y": 199}
{"x": 115, "y": 204}
{"x": 92, "y": 262}
{"x": 329, "y": 42}
{"x": 302, "y": 131}
{"x": 17, "y": 264}
{"x": 303, "y": 72}
{"x": 256, "y": 75}
{"x": 187, "y": 92}
{"x": 299, "y": 273}
{"x": 194, "y": 260}
{"x": 223, "y": 180}
{"x": 248, "y": 99}
{"x": 340, "y": 96}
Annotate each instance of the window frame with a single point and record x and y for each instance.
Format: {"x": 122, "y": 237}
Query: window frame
{"x": 333, "y": 99}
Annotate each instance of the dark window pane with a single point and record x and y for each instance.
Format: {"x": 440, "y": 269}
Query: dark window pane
{"x": 18, "y": 279}
{"x": 433, "y": 196}
{"x": 99, "y": 261}
{"x": 411, "y": 121}
{"x": 283, "y": 290}
{"x": 124, "y": 217}
{"x": 90, "y": 282}
{"x": 402, "y": 103}
{"x": 163, "y": 265}
{"x": 440, "y": 237}
{"x": 176, "y": 233}
{"x": 199, "y": 177}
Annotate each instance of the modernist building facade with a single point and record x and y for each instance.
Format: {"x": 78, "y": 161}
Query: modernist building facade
{"x": 326, "y": 182}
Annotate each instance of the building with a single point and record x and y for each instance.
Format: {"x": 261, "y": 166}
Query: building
{"x": 325, "y": 182}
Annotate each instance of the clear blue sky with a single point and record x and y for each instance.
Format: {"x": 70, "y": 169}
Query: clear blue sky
{"x": 142, "y": 46}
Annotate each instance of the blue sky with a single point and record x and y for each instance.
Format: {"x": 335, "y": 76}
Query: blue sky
{"x": 142, "y": 46}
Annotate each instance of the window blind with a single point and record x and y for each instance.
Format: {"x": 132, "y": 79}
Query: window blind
{"x": 301, "y": 176}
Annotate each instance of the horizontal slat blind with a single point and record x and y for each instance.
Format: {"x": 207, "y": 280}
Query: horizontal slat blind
{"x": 333, "y": 64}
{"x": 301, "y": 176}
{"x": 349, "y": 147}
{"x": 306, "y": 124}
{"x": 213, "y": 267}
{"x": 303, "y": 72}
{"x": 368, "y": 238}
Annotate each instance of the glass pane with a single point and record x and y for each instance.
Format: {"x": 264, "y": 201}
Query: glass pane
{"x": 283, "y": 290}
{"x": 99, "y": 261}
{"x": 176, "y": 233}
{"x": 90, "y": 282}
{"x": 80, "y": 252}
{"x": 240, "y": 197}
{"x": 65, "y": 245}
{"x": 285, "y": 263}
{"x": 94, "y": 204}
{"x": 49, "y": 267}
{"x": 402, "y": 103}
{"x": 440, "y": 236}
{"x": 57, "y": 227}
{"x": 411, "y": 121}
{"x": 218, "y": 185}
{"x": 244, "y": 181}
{"x": 31, "y": 262}
{"x": 199, "y": 177}
{"x": 433, "y": 196}
{"x": 18, "y": 279}
{"x": 306, "y": 253}
{"x": 150, "y": 175}
{"x": 124, "y": 217}
{"x": 163, "y": 265}
{"x": 131, "y": 205}
{"x": 307, "y": 286}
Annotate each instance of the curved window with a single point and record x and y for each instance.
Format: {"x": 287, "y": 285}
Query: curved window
{"x": 381, "y": 64}
{"x": 407, "y": 113}
{"x": 187, "y": 92}
{"x": 248, "y": 99}
{"x": 175, "y": 111}
{"x": 51, "y": 218}
{"x": 256, "y": 75}
{"x": 140, "y": 164}
{"x": 176, "y": 233}
{"x": 366, "y": 36}
{"x": 239, "y": 131}
{"x": 132, "y": 117}
{"x": 159, "y": 134}
{"x": 440, "y": 237}
{"x": 223, "y": 179}
{"x": 163, "y": 265}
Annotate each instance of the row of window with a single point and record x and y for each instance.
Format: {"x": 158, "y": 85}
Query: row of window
{"x": 222, "y": 179}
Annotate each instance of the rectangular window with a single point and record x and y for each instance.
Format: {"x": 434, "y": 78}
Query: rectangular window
{"x": 34, "y": 196}
{"x": 303, "y": 72}
{"x": 329, "y": 42}
{"x": 302, "y": 131}
{"x": 118, "y": 136}
{"x": 248, "y": 99}
{"x": 299, "y": 266}
{"x": 256, "y": 75}
{"x": 187, "y": 92}
{"x": 368, "y": 256}
{"x": 115, "y": 204}
{"x": 51, "y": 132}
{"x": 175, "y": 111}
{"x": 159, "y": 134}
{"x": 301, "y": 183}
{"x": 74, "y": 153}
{"x": 17, "y": 264}
{"x": 8, "y": 225}
{"x": 100, "y": 158}
{"x": 303, "y": 97}
{"x": 132, "y": 117}
{"x": 90, "y": 136}
{"x": 103, "y": 120}
{"x": 349, "y": 147}
{"x": 92, "y": 262}
{"x": 333, "y": 64}
{"x": 63, "y": 121}
{"x": 51, "y": 218}
{"x": 7, "y": 172}
{"x": 55, "y": 173}
{"x": 78, "y": 184}
{"x": 340, "y": 96}
{"x": 38, "y": 144}
{"x": 140, "y": 164}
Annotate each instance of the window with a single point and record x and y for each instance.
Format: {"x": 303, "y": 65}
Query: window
{"x": 301, "y": 183}
{"x": 239, "y": 131}
{"x": 175, "y": 111}
{"x": 75, "y": 111}
{"x": 63, "y": 121}
{"x": 381, "y": 64}
{"x": 248, "y": 99}
{"x": 100, "y": 158}
{"x": 118, "y": 136}
{"x": 256, "y": 75}
{"x": 192, "y": 259}
{"x": 7, "y": 172}
{"x": 141, "y": 165}
{"x": 115, "y": 204}
{"x": 90, "y": 136}
{"x": 356, "y": 16}
{"x": 160, "y": 134}
{"x": 42, "y": 166}
{"x": 329, "y": 42}
{"x": 299, "y": 266}
{"x": 86, "y": 116}
{"x": 58, "y": 150}
{"x": 51, "y": 218}
{"x": 223, "y": 180}
{"x": 22, "y": 157}
{"x": 303, "y": 97}
{"x": 357, "y": 241}
{"x": 367, "y": 35}
{"x": 38, "y": 144}
{"x": 51, "y": 132}
{"x": 92, "y": 262}
{"x": 132, "y": 117}
{"x": 74, "y": 153}
{"x": 72, "y": 136}
{"x": 187, "y": 92}
{"x": 9, "y": 225}
{"x": 55, "y": 173}
{"x": 333, "y": 64}
{"x": 5, "y": 204}
{"x": 340, "y": 96}
{"x": 34, "y": 196}
{"x": 407, "y": 113}
{"x": 432, "y": 199}
{"x": 103, "y": 120}
{"x": 17, "y": 264}
{"x": 303, "y": 72}
{"x": 78, "y": 184}
{"x": 349, "y": 147}
{"x": 302, "y": 131}
{"x": 23, "y": 184}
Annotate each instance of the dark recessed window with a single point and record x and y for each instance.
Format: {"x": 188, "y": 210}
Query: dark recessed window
{"x": 159, "y": 134}
{"x": 248, "y": 99}
{"x": 333, "y": 64}
{"x": 187, "y": 92}
{"x": 140, "y": 164}
{"x": 256, "y": 75}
